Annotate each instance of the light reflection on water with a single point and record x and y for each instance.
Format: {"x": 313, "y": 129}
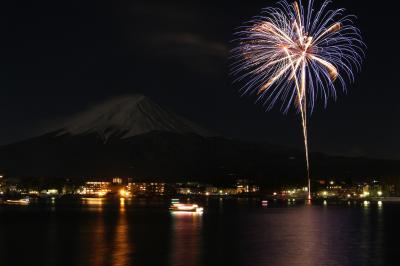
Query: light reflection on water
{"x": 121, "y": 247}
{"x": 98, "y": 232}
{"x": 186, "y": 240}
{"x": 93, "y": 204}
{"x": 98, "y": 247}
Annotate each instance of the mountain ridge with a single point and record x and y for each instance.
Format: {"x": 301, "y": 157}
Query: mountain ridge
{"x": 128, "y": 116}
{"x": 102, "y": 144}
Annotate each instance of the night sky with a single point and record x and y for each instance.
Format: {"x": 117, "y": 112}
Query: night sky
{"x": 58, "y": 57}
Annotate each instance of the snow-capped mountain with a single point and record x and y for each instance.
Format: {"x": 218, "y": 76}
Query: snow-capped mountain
{"x": 129, "y": 116}
{"x": 138, "y": 138}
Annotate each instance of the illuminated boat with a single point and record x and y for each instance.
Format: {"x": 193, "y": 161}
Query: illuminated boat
{"x": 24, "y": 201}
{"x": 180, "y": 207}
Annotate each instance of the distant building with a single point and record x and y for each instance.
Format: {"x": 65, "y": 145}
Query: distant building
{"x": 141, "y": 188}
{"x": 211, "y": 190}
{"x": 246, "y": 186}
{"x": 137, "y": 188}
{"x": 185, "y": 190}
{"x": 2, "y": 185}
{"x": 190, "y": 188}
{"x": 45, "y": 192}
{"x": 227, "y": 191}
{"x": 391, "y": 186}
{"x": 97, "y": 188}
{"x": 297, "y": 192}
{"x": 117, "y": 180}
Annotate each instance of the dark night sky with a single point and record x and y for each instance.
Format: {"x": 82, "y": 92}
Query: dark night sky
{"x": 58, "y": 57}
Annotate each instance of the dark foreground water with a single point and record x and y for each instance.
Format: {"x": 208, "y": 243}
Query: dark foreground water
{"x": 230, "y": 232}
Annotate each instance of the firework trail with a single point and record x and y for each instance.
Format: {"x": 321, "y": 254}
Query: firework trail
{"x": 297, "y": 54}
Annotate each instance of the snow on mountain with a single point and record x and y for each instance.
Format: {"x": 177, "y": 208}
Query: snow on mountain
{"x": 129, "y": 116}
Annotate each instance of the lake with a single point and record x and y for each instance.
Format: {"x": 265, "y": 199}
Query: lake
{"x": 229, "y": 232}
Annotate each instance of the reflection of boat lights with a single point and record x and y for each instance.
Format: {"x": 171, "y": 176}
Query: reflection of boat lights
{"x": 185, "y": 213}
{"x": 380, "y": 203}
{"x": 366, "y": 202}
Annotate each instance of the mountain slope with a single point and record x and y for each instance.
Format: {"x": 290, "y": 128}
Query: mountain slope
{"x": 132, "y": 136}
{"x": 170, "y": 156}
{"x": 129, "y": 116}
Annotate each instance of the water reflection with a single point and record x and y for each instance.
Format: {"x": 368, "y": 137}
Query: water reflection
{"x": 121, "y": 248}
{"x": 321, "y": 235}
{"x": 186, "y": 239}
{"x": 95, "y": 204}
{"x": 97, "y": 246}
{"x": 121, "y": 233}
{"x": 379, "y": 237}
{"x": 109, "y": 235}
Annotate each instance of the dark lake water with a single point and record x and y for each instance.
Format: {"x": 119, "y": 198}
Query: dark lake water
{"x": 230, "y": 232}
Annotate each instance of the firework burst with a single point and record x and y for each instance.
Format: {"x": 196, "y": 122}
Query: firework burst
{"x": 295, "y": 54}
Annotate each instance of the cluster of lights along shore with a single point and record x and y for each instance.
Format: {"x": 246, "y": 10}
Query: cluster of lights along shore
{"x": 127, "y": 188}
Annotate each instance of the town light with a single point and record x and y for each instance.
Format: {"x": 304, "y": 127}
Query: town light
{"x": 122, "y": 192}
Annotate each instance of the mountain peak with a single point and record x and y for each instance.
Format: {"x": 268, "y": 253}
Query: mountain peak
{"x": 128, "y": 116}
